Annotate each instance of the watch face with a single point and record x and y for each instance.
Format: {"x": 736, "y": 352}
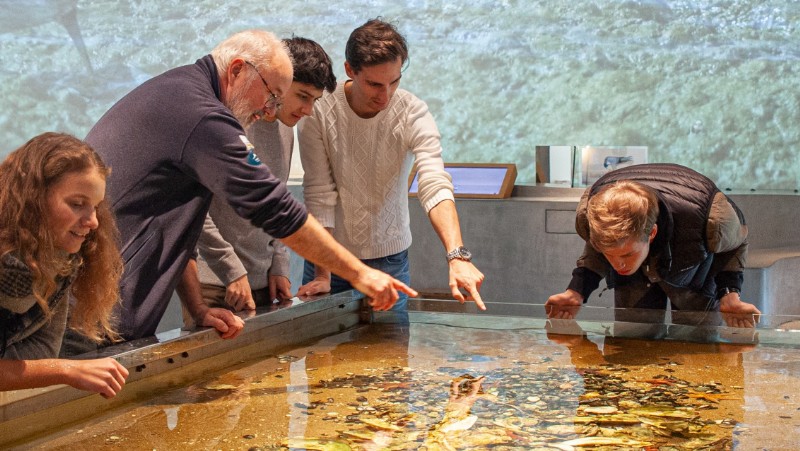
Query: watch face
{"x": 460, "y": 253}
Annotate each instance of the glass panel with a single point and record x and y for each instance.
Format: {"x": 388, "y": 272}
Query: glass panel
{"x": 451, "y": 379}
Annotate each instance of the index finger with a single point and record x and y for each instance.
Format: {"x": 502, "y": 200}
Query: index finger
{"x": 400, "y": 286}
{"x": 476, "y": 296}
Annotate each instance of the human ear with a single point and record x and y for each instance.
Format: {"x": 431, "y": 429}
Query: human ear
{"x": 348, "y": 70}
{"x": 235, "y": 68}
{"x": 653, "y": 232}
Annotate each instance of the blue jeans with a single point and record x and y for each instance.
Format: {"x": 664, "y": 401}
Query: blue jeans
{"x": 395, "y": 265}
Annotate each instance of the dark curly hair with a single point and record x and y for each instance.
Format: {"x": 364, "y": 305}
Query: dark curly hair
{"x": 312, "y": 65}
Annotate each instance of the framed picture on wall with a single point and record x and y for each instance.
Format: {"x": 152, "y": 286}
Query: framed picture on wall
{"x": 592, "y": 162}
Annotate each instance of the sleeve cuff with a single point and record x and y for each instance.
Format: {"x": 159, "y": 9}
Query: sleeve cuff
{"x": 280, "y": 262}
{"x": 729, "y": 279}
{"x": 584, "y": 281}
{"x": 228, "y": 269}
{"x": 326, "y": 217}
{"x": 441, "y": 195}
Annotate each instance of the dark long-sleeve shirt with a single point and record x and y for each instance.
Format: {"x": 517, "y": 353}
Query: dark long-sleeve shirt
{"x": 172, "y": 145}
{"x": 679, "y": 251}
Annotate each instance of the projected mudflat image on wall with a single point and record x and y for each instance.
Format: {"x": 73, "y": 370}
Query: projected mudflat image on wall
{"x": 708, "y": 84}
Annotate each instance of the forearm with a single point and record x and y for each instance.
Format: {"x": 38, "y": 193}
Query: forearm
{"x": 728, "y": 267}
{"x": 105, "y": 376}
{"x": 444, "y": 219}
{"x": 20, "y": 374}
{"x": 315, "y": 244}
{"x": 189, "y": 292}
{"x": 321, "y": 272}
{"x": 584, "y": 281}
{"x": 590, "y": 269}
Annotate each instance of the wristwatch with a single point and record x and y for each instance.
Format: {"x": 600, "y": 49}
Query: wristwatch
{"x": 461, "y": 253}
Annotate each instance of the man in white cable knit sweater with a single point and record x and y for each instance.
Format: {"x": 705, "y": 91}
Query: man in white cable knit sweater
{"x": 357, "y": 149}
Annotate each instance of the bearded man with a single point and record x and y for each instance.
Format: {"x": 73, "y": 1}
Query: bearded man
{"x": 178, "y": 140}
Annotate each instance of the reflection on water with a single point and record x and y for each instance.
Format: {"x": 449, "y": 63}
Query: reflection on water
{"x": 430, "y": 386}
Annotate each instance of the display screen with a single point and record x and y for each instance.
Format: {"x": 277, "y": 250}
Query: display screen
{"x": 711, "y": 85}
{"x": 471, "y": 180}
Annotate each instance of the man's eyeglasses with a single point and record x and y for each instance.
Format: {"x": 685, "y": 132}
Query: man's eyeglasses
{"x": 273, "y": 102}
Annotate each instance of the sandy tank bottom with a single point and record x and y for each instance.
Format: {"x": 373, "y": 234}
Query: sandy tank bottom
{"x": 428, "y": 386}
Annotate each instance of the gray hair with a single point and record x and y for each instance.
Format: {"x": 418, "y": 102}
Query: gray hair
{"x": 256, "y": 46}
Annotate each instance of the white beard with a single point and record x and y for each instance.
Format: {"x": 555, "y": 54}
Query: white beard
{"x": 240, "y": 106}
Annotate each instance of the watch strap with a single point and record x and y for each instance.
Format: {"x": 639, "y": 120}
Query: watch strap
{"x": 727, "y": 290}
{"x": 461, "y": 253}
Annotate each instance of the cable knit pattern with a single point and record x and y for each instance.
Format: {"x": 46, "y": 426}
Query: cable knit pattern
{"x": 356, "y": 170}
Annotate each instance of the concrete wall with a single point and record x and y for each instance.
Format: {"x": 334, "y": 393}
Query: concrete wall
{"x": 527, "y": 246}
{"x": 771, "y": 280}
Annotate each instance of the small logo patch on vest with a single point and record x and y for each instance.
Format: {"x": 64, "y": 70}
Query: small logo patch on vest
{"x": 252, "y": 158}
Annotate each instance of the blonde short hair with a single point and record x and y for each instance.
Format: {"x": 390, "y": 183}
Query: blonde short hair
{"x": 619, "y": 212}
